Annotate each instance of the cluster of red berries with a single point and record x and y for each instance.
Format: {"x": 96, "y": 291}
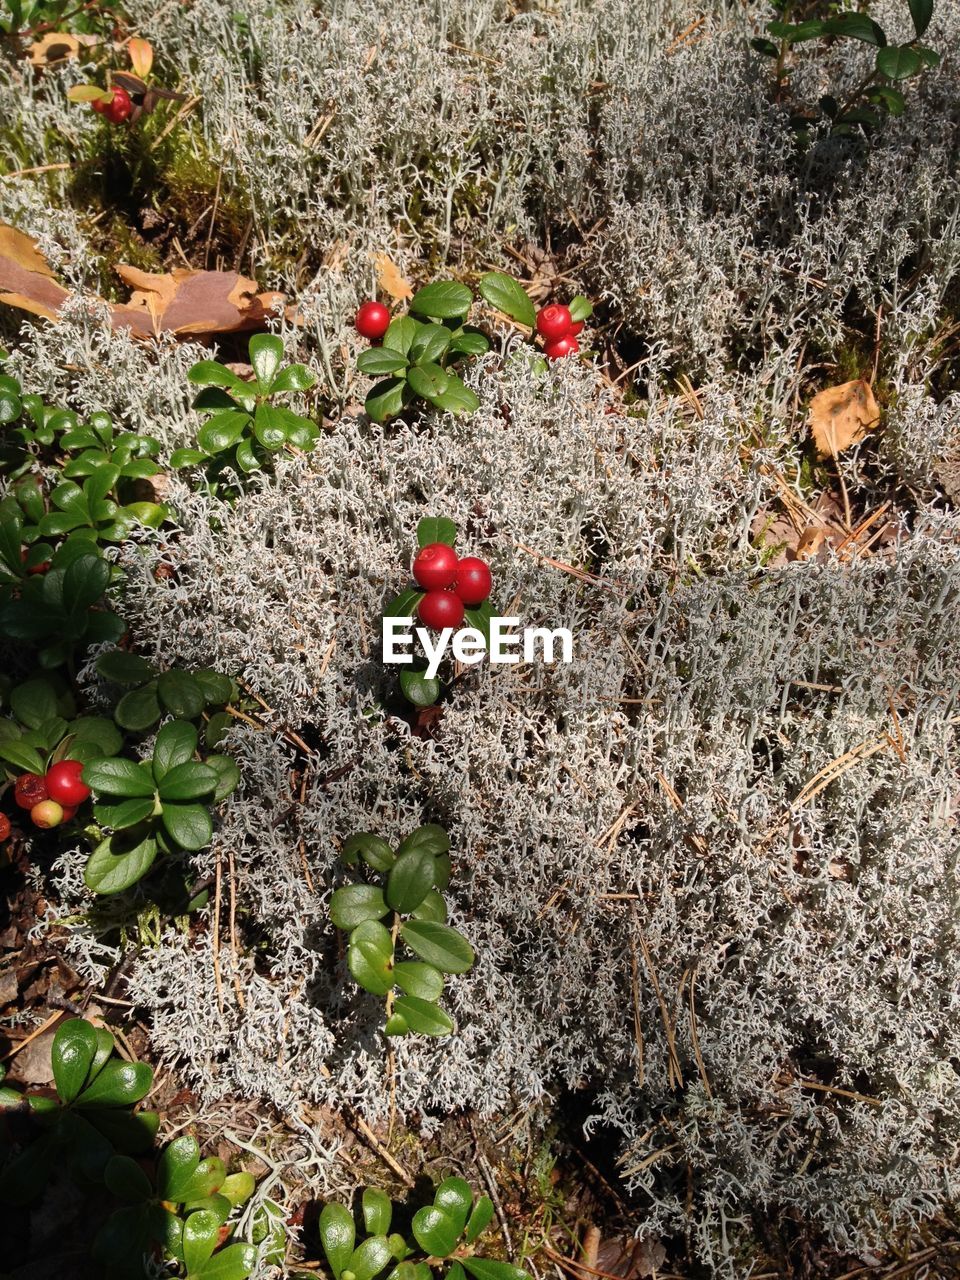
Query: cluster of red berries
{"x": 51, "y": 798}
{"x": 115, "y": 109}
{"x": 558, "y": 329}
{"x": 372, "y": 321}
{"x": 451, "y": 585}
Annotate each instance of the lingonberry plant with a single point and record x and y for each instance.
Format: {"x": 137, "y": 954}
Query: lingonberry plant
{"x": 409, "y": 898}
{"x": 449, "y": 591}
{"x": 876, "y": 95}
{"x": 151, "y": 693}
{"x": 129, "y": 94}
{"x": 420, "y": 351}
{"x": 158, "y": 805}
{"x": 444, "y": 1239}
{"x": 245, "y": 426}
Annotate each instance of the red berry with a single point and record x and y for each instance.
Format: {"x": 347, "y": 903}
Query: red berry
{"x": 100, "y": 105}
{"x": 65, "y": 783}
{"x": 576, "y": 328}
{"x": 5, "y": 827}
{"x": 434, "y": 566}
{"x": 69, "y": 812}
{"x": 46, "y": 814}
{"x": 119, "y": 108}
{"x": 565, "y": 346}
{"x": 29, "y": 790}
{"x": 472, "y": 583}
{"x": 439, "y": 609}
{"x": 373, "y": 320}
{"x": 554, "y": 321}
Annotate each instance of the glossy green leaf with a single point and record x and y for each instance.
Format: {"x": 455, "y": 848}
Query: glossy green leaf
{"x": 455, "y": 1197}
{"x": 370, "y": 957}
{"x": 176, "y": 743}
{"x": 856, "y": 26}
{"x": 369, "y": 1258}
{"x": 415, "y": 978}
{"x": 480, "y": 1219}
{"x": 235, "y": 1262}
{"x": 423, "y": 1017}
{"x": 189, "y": 825}
{"x": 238, "y": 1188}
{"x": 457, "y": 398}
{"x": 125, "y": 1179}
{"x": 209, "y": 373}
{"x": 117, "y": 1084}
{"x": 269, "y": 427}
{"x": 430, "y": 343}
{"x": 428, "y": 380}
{"x": 419, "y": 689}
{"x": 176, "y": 1168}
{"x": 74, "y": 1049}
{"x": 404, "y": 605}
{"x": 438, "y": 944}
{"x": 246, "y": 457}
{"x": 410, "y": 880}
{"x": 181, "y": 694}
{"x": 186, "y": 458}
{"x": 580, "y": 308}
{"x": 436, "y": 529}
{"x": 200, "y": 1233}
{"x": 114, "y": 865}
{"x": 898, "y": 62}
{"x": 139, "y": 709}
{"x": 118, "y": 817}
{"x": 266, "y": 353}
{"x": 228, "y": 775}
{"x": 430, "y": 836}
{"x": 223, "y": 430}
{"x": 337, "y": 1235}
{"x": 386, "y": 399}
{"x": 443, "y": 300}
{"x": 432, "y": 907}
{"x": 187, "y": 781}
{"x": 355, "y": 903}
{"x": 117, "y": 776}
{"x": 921, "y": 11}
{"x": 488, "y": 1269}
{"x": 22, "y": 757}
{"x": 124, "y": 668}
{"x": 435, "y": 1231}
{"x": 375, "y": 852}
{"x": 216, "y": 730}
{"x": 218, "y": 689}
{"x": 469, "y": 342}
{"x": 377, "y": 1212}
{"x": 507, "y": 295}
{"x": 380, "y": 360}
{"x": 400, "y": 334}
{"x": 33, "y": 702}
{"x": 295, "y": 377}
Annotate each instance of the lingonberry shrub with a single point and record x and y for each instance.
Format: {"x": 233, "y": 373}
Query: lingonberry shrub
{"x": 245, "y": 427}
{"x": 403, "y": 906}
{"x": 151, "y": 692}
{"x": 442, "y": 1240}
{"x": 129, "y": 94}
{"x": 463, "y": 597}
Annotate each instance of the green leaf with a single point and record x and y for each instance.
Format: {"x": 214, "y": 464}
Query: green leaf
{"x": 375, "y": 852}
{"x": 337, "y": 1235}
{"x": 890, "y": 99}
{"x": 223, "y": 430}
{"x": 295, "y": 377}
{"x": 209, "y": 373}
{"x": 124, "y": 668}
{"x": 33, "y": 702}
{"x": 438, "y": 944}
{"x": 796, "y": 32}
{"x": 921, "y": 11}
{"x": 84, "y": 582}
{"x": 200, "y": 1232}
{"x": 898, "y": 62}
{"x": 430, "y": 836}
{"x": 469, "y": 342}
{"x": 354, "y": 903}
{"x": 238, "y": 1188}
{"x": 216, "y": 729}
{"x": 928, "y": 57}
{"x": 457, "y": 398}
{"x": 187, "y": 781}
{"x": 428, "y": 381}
{"x": 436, "y": 529}
{"x": 386, "y": 399}
{"x": 113, "y": 866}
{"x": 176, "y": 742}
{"x": 857, "y": 26}
{"x": 175, "y": 1171}
{"x": 118, "y": 776}
{"x": 128, "y": 813}
{"x": 410, "y": 880}
{"x": 480, "y": 1219}
{"x": 435, "y": 1231}
{"x": 454, "y": 1196}
{"x": 180, "y": 694}
{"x": 235, "y": 1262}
{"x": 400, "y": 334}
{"x": 404, "y": 605}
{"x": 269, "y": 427}
{"x": 487, "y": 1269}
{"x": 186, "y": 458}
{"x": 228, "y": 775}
{"x": 138, "y": 709}
{"x": 125, "y": 1179}
{"x": 430, "y": 343}
{"x": 377, "y": 1211}
{"x": 415, "y": 978}
{"x": 480, "y": 618}
{"x": 380, "y": 360}
{"x": 189, "y": 825}
{"x": 370, "y": 957}
{"x": 369, "y": 1258}
{"x": 266, "y": 353}
{"x": 423, "y": 1016}
{"x": 418, "y": 688}
{"x": 246, "y": 457}
{"x": 443, "y": 300}
{"x": 580, "y": 308}
{"x": 74, "y": 1049}
{"x": 217, "y": 688}
{"x": 507, "y": 295}
{"x": 24, "y": 758}
{"x": 432, "y": 907}
{"x": 117, "y": 1084}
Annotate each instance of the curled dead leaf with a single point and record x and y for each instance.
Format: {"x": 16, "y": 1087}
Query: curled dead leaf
{"x": 26, "y": 280}
{"x": 840, "y": 416}
{"x": 389, "y": 278}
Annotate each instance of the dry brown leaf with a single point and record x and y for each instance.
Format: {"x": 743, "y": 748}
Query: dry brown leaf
{"x": 630, "y": 1258}
{"x": 840, "y": 416}
{"x": 57, "y": 46}
{"x": 181, "y": 301}
{"x": 389, "y": 278}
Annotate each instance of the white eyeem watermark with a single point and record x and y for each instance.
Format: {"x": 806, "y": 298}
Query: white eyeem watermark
{"x": 469, "y": 646}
